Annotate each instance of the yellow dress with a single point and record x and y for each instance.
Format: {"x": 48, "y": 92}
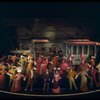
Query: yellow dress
{"x": 12, "y": 73}
{"x": 29, "y": 66}
{"x": 71, "y": 76}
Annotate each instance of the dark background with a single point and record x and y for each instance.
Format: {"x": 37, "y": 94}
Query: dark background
{"x": 80, "y": 13}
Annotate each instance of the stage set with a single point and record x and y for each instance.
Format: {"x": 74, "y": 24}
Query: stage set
{"x": 48, "y": 57}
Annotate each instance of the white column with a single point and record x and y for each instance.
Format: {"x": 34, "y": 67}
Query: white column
{"x": 77, "y": 49}
{"x": 66, "y": 50}
{"x": 88, "y": 50}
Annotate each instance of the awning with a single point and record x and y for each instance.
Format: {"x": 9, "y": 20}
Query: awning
{"x": 21, "y": 51}
{"x": 40, "y": 40}
{"x": 82, "y": 42}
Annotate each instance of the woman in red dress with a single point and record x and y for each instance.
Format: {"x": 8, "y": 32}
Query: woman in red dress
{"x": 56, "y": 87}
{"x": 16, "y": 85}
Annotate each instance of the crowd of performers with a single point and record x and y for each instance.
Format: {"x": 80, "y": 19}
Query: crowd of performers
{"x": 48, "y": 73}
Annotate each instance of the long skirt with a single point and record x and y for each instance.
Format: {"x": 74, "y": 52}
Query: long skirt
{"x": 56, "y": 88}
{"x": 16, "y": 86}
{"x": 83, "y": 86}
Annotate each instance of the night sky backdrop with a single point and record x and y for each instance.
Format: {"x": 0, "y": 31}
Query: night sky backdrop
{"x": 86, "y": 14}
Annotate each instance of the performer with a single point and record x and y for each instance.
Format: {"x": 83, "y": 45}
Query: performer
{"x": 98, "y": 67}
{"x": 94, "y": 79}
{"x": 71, "y": 77}
{"x": 63, "y": 66}
{"x": 43, "y": 67}
{"x": 84, "y": 75}
{"x": 30, "y": 76}
{"x": 30, "y": 64}
{"x": 12, "y": 72}
{"x": 60, "y": 52}
{"x": 92, "y": 72}
{"x": 92, "y": 61}
{"x": 16, "y": 85}
{"x": 38, "y": 62}
{"x": 2, "y": 75}
{"x": 55, "y": 60}
{"x": 54, "y": 51}
{"x": 46, "y": 82}
{"x": 82, "y": 58}
{"x": 70, "y": 60}
{"x": 50, "y": 66}
{"x": 14, "y": 58}
{"x": 7, "y": 80}
{"x": 56, "y": 87}
{"x": 23, "y": 64}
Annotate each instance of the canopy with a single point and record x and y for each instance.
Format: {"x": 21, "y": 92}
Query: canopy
{"x": 40, "y": 40}
{"x": 81, "y": 42}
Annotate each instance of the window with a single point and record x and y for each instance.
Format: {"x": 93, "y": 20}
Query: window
{"x": 50, "y": 49}
{"x": 79, "y": 49}
{"x": 74, "y": 49}
{"x": 43, "y": 49}
{"x": 91, "y": 50}
{"x": 68, "y": 49}
{"x": 35, "y": 49}
{"x": 85, "y": 49}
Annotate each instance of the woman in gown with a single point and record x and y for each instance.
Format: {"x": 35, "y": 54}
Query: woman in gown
{"x": 56, "y": 87}
{"x": 16, "y": 85}
{"x": 84, "y": 78}
{"x": 71, "y": 77}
